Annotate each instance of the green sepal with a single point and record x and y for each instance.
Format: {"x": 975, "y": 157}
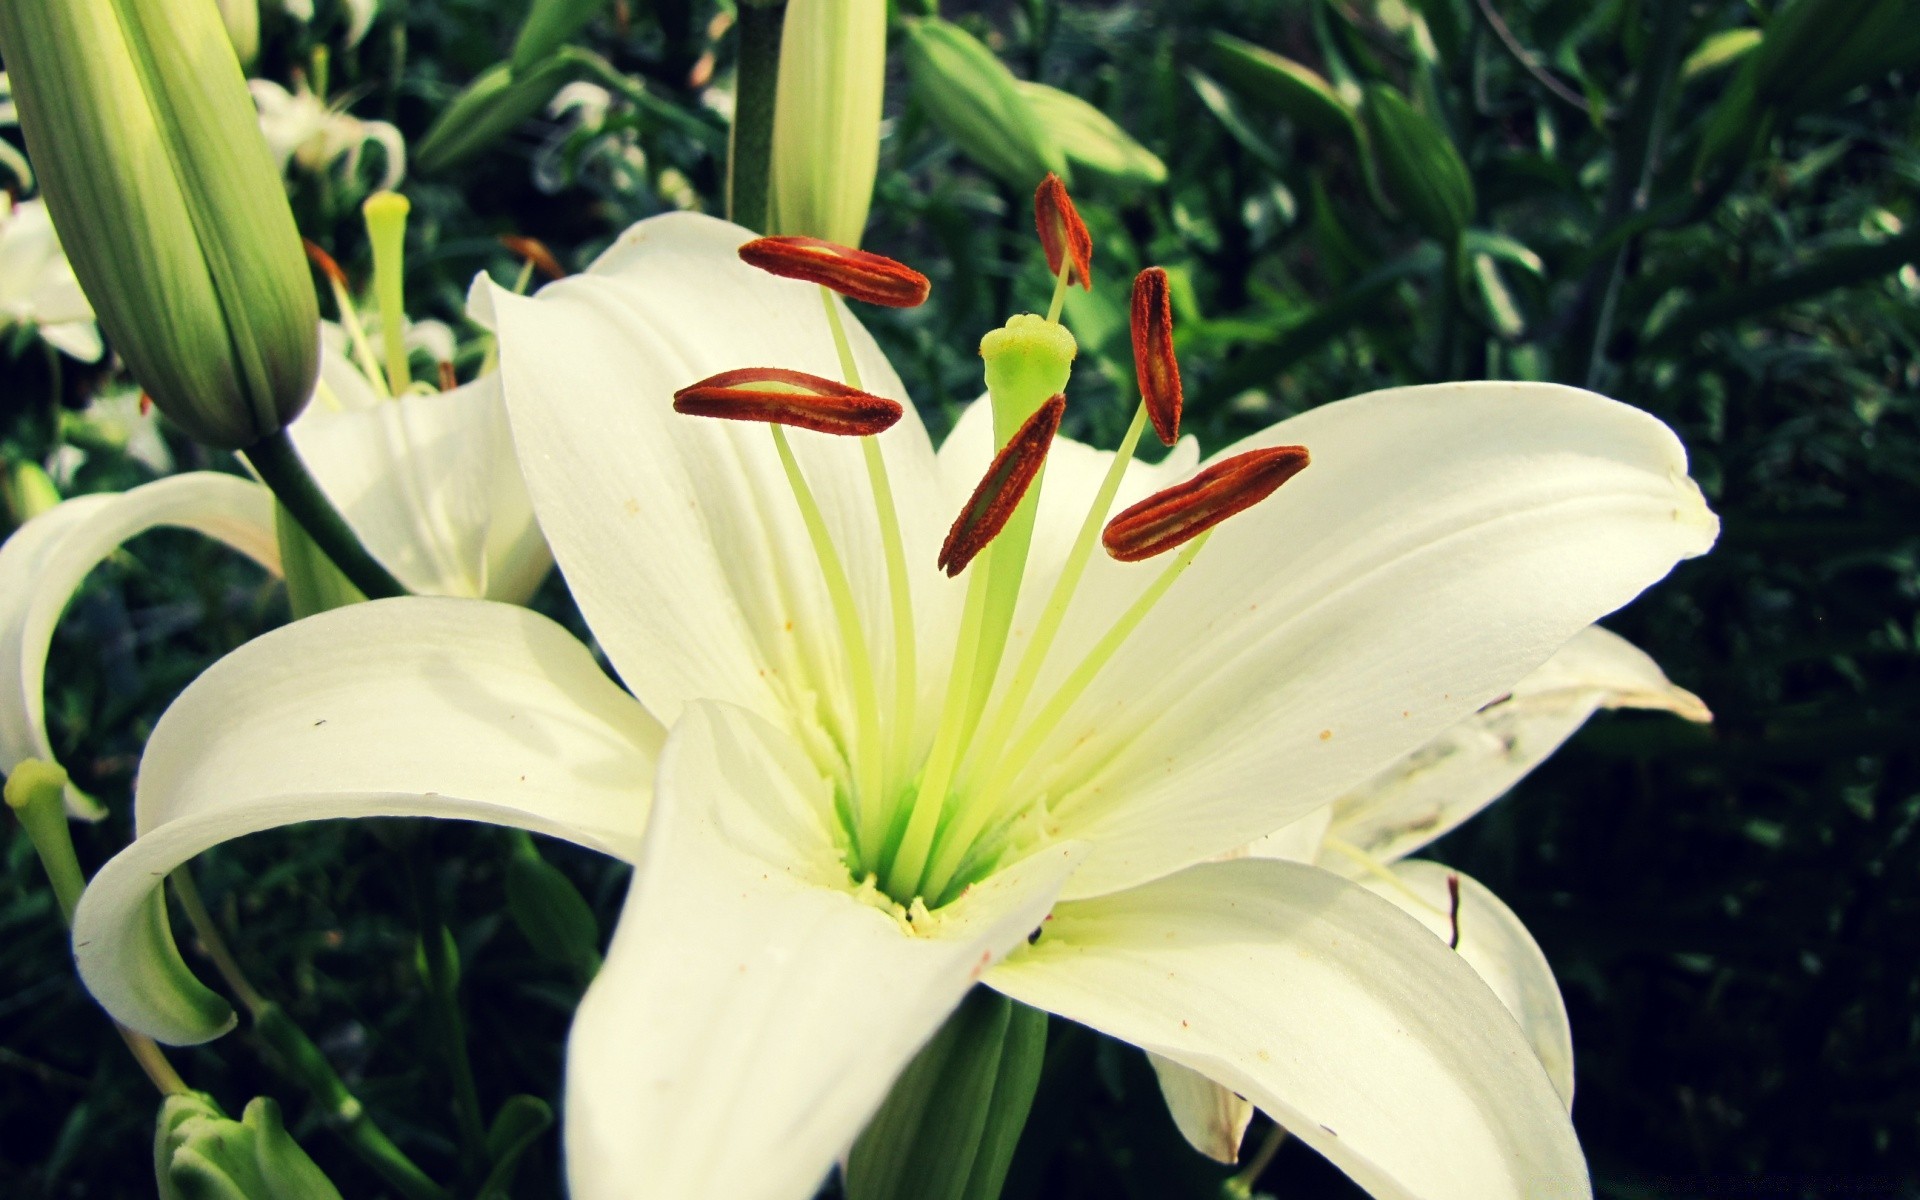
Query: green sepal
{"x": 314, "y": 584}
{"x": 490, "y": 107}
{"x": 948, "y": 1129}
{"x": 550, "y": 25}
{"x": 516, "y": 1127}
{"x": 550, "y": 911}
{"x": 972, "y": 96}
{"x": 1422, "y": 170}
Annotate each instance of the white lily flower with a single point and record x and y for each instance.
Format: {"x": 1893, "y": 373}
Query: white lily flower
{"x": 301, "y": 127}
{"x": 761, "y": 989}
{"x": 37, "y": 285}
{"x": 1427, "y": 793}
{"x": 428, "y": 481}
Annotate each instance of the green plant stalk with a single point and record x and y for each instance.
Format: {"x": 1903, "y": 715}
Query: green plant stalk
{"x": 303, "y": 1060}
{"x": 280, "y": 468}
{"x": 750, "y": 151}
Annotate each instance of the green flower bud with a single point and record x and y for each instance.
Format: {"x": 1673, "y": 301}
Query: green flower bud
{"x": 199, "y": 1153}
{"x": 498, "y": 99}
{"x": 550, "y": 24}
{"x": 550, "y": 911}
{"x": 1282, "y": 85}
{"x": 242, "y": 19}
{"x": 1424, "y": 173}
{"x": 169, "y": 206}
{"x": 29, "y": 491}
{"x": 1090, "y": 138}
{"x": 1028, "y": 362}
{"x": 971, "y": 95}
{"x": 826, "y": 123}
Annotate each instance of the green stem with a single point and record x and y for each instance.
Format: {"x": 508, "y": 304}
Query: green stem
{"x": 301, "y": 1059}
{"x": 750, "y": 154}
{"x": 280, "y": 468}
{"x": 1242, "y": 1185}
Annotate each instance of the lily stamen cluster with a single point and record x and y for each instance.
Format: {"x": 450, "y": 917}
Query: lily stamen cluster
{"x": 923, "y": 826}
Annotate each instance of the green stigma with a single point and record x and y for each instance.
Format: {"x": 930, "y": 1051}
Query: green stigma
{"x": 1028, "y": 362}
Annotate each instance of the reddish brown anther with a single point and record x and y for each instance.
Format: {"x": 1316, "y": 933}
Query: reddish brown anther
{"x": 534, "y": 251}
{"x": 1184, "y": 511}
{"x": 1063, "y": 235}
{"x": 448, "y": 380}
{"x": 874, "y": 278}
{"x": 320, "y": 258}
{"x": 1000, "y": 492}
{"x": 780, "y": 397}
{"x": 1453, "y": 910}
{"x": 1153, "y": 361}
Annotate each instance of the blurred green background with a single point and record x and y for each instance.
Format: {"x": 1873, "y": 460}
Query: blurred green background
{"x": 1704, "y": 209}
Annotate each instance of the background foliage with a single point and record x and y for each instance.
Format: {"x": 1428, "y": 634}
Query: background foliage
{"x": 1626, "y": 195}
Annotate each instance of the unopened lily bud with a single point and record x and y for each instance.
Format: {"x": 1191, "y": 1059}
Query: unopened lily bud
{"x": 199, "y": 1153}
{"x": 1153, "y": 361}
{"x": 1090, "y": 137}
{"x": 777, "y": 396}
{"x": 1174, "y": 517}
{"x": 826, "y": 122}
{"x": 242, "y": 19}
{"x": 169, "y": 206}
{"x": 972, "y": 96}
{"x": 1063, "y": 235}
{"x": 1424, "y": 172}
{"x": 1029, "y": 360}
{"x": 29, "y": 491}
{"x": 550, "y": 24}
{"x": 856, "y": 274}
{"x": 999, "y": 493}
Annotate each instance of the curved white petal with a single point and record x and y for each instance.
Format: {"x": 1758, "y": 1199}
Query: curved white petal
{"x": 1499, "y": 949}
{"x": 407, "y": 707}
{"x": 1335, "y": 1014}
{"x": 1470, "y": 765}
{"x": 79, "y": 340}
{"x": 45, "y": 560}
{"x": 679, "y": 535}
{"x": 750, "y": 999}
{"x": 1213, "y": 1119}
{"x": 430, "y": 483}
{"x": 1444, "y": 542}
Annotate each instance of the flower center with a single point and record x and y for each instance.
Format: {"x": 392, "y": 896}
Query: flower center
{"x": 923, "y": 828}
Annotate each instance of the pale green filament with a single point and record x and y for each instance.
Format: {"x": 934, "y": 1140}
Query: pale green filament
{"x": 1059, "y": 290}
{"x": 356, "y": 334}
{"x": 1063, "y": 588}
{"x": 977, "y": 817}
{"x": 906, "y": 688}
{"x": 386, "y": 217}
{"x": 1378, "y": 870}
{"x": 863, "y": 755}
{"x": 903, "y": 874}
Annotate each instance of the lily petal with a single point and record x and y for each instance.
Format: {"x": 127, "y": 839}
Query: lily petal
{"x": 1445, "y": 542}
{"x": 407, "y": 707}
{"x": 1213, "y": 1119}
{"x": 430, "y": 483}
{"x": 44, "y": 562}
{"x": 750, "y": 997}
{"x": 1499, "y": 949}
{"x": 1335, "y": 1014}
{"x": 1475, "y": 762}
{"x": 678, "y": 535}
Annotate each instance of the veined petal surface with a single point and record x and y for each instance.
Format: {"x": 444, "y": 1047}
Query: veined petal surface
{"x": 1473, "y": 763}
{"x": 1338, "y": 1016}
{"x": 45, "y": 560}
{"x": 1445, "y": 541}
{"x": 430, "y": 483}
{"x": 1499, "y": 949}
{"x": 679, "y": 535}
{"x": 407, "y": 707}
{"x": 753, "y": 1010}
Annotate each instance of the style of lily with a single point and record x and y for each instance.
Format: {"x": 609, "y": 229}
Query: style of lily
{"x": 1367, "y": 833}
{"x": 883, "y": 785}
{"x": 426, "y": 478}
{"x": 37, "y": 287}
